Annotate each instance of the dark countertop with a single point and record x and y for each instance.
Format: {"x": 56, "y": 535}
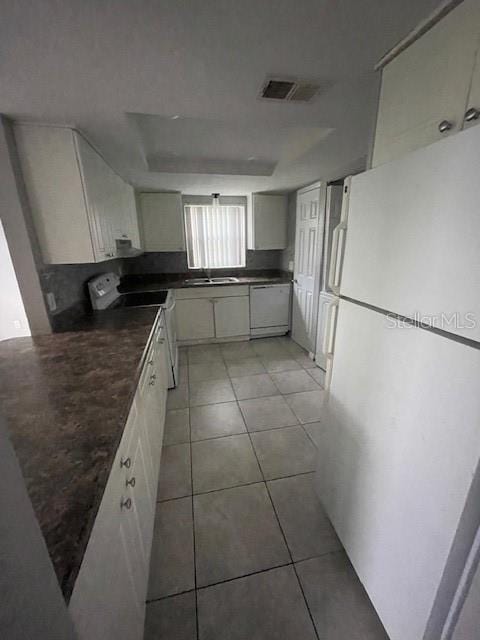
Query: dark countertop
{"x": 66, "y": 397}
{"x": 152, "y": 282}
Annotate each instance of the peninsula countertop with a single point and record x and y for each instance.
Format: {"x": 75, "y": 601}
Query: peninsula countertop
{"x": 66, "y": 398}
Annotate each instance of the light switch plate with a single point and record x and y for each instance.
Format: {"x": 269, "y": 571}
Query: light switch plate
{"x": 290, "y": 265}
{"x": 52, "y": 303}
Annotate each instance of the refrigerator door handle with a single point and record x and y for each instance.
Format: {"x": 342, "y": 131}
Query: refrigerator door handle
{"x": 337, "y": 257}
{"x": 329, "y": 333}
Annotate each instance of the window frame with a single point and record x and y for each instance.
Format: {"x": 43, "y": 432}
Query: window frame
{"x": 245, "y": 239}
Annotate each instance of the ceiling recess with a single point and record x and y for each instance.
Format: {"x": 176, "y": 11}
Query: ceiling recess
{"x": 288, "y": 90}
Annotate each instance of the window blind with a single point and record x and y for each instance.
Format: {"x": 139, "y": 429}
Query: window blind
{"x": 215, "y": 236}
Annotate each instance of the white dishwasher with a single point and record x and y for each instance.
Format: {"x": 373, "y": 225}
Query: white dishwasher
{"x": 269, "y": 309}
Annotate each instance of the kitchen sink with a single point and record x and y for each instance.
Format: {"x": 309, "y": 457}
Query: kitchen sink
{"x": 223, "y": 280}
{"x": 200, "y": 281}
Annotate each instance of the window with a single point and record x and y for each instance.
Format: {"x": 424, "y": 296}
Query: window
{"x": 215, "y": 236}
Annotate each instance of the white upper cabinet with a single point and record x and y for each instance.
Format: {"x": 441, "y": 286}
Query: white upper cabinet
{"x": 162, "y": 221}
{"x": 425, "y": 89}
{"x": 80, "y": 206}
{"x": 267, "y": 228}
{"x": 472, "y": 113}
{"x": 126, "y": 221}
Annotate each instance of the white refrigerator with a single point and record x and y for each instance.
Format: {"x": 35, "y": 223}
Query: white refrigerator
{"x": 398, "y": 468}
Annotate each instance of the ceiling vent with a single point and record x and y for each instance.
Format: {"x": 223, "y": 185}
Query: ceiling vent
{"x": 288, "y": 90}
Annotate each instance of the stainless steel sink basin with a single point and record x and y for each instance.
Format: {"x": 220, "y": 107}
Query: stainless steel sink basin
{"x": 223, "y": 280}
{"x": 198, "y": 281}
{"x": 204, "y": 281}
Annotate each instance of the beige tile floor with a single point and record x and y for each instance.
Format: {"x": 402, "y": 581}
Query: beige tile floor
{"x": 242, "y": 548}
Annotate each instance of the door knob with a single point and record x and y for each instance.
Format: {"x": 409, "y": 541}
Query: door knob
{"x": 444, "y": 125}
{"x": 472, "y": 114}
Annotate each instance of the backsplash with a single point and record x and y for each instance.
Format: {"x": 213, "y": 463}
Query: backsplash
{"x": 176, "y": 262}
{"x": 68, "y": 282}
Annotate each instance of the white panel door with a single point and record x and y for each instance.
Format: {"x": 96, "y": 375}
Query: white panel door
{"x": 194, "y": 319}
{"x": 413, "y": 240}
{"x": 232, "y": 316}
{"x": 308, "y": 254}
{"x": 400, "y": 447}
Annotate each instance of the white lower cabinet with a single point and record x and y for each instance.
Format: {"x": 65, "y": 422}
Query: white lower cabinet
{"x": 108, "y": 599}
{"x": 194, "y": 319}
{"x": 212, "y": 312}
{"x": 232, "y": 316}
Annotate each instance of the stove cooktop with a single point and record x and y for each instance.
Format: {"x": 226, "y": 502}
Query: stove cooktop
{"x": 141, "y": 299}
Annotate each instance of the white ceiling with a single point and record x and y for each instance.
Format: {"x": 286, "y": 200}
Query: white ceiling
{"x": 120, "y": 70}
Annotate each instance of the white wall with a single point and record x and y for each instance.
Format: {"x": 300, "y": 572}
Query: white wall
{"x": 19, "y": 231}
{"x": 13, "y": 319}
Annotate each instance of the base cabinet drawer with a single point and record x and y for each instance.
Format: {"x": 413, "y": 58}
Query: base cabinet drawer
{"x": 108, "y": 599}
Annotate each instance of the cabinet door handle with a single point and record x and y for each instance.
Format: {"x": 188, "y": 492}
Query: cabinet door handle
{"x": 444, "y": 126}
{"x": 127, "y": 463}
{"x": 130, "y": 483}
{"x": 126, "y": 504}
{"x": 472, "y": 114}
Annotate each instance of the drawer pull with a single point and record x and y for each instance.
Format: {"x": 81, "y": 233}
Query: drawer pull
{"x": 126, "y": 504}
{"x": 130, "y": 483}
{"x": 472, "y": 114}
{"x": 444, "y": 126}
{"x": 127, "y": 463}
{"x": 150, "y": 361}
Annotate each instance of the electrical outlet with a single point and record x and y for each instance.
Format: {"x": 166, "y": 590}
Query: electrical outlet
{"x": 52, "y": 303}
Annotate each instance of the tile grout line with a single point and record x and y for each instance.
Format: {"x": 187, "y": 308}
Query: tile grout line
{"x": 285, "y": 539}
{"x": 235, "y": 486}
{"x": 308, "y": 435}
{"x": 229, "y": 378}
{"x": 244, "y": 575}
{"x": 192, "y": 505}
{"x": 286, "y": 544}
